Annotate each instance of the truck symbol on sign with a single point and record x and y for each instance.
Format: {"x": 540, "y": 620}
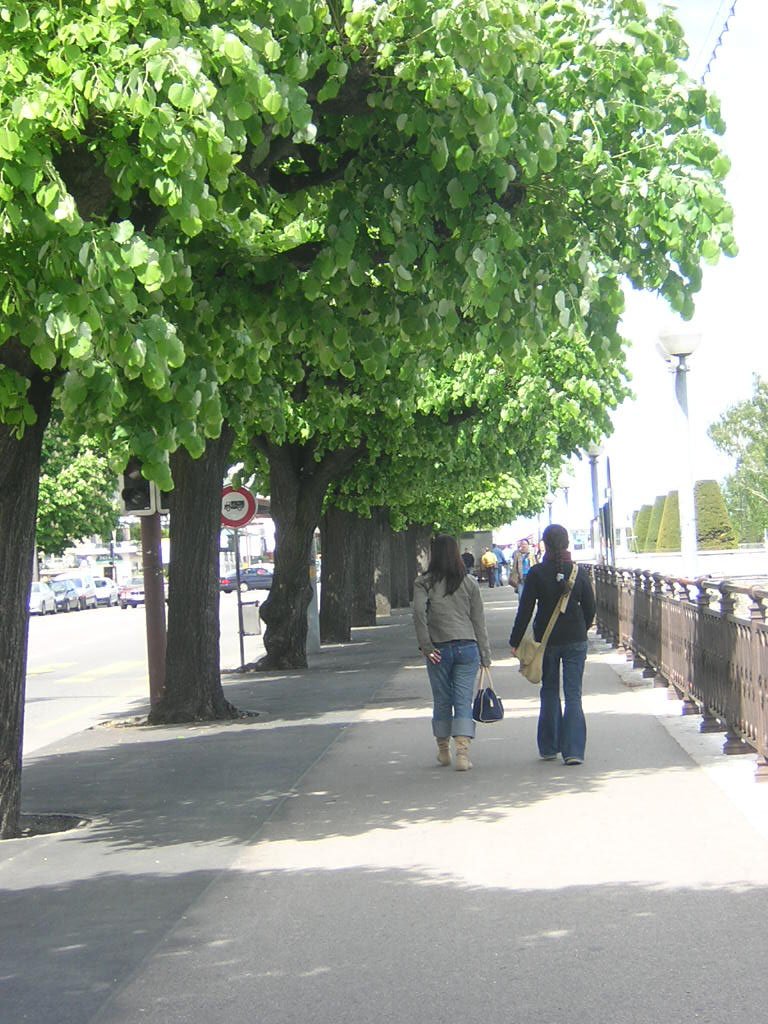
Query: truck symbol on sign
{"x": 234, "y": 505}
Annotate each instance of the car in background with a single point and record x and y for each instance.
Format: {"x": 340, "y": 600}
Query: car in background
{"x": 41, "y": 599}
{"x": 131, "y": 593}
{"x": 83, "y": 583}
{"x": 254, "y": 577}
{"x": 106, "y": 591}
{"x": 65, "y": 593}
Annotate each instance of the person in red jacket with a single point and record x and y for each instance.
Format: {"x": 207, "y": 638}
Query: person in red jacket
{"x": 559, "y": 731}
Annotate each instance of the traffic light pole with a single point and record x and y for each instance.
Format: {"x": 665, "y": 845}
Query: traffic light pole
{"x": 154, "y": 604}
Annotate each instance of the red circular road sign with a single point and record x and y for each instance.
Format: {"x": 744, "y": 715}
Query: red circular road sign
{"x": 238, "y": 507}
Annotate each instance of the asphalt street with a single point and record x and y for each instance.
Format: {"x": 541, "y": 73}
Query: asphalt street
{"x": 317, "y": 865}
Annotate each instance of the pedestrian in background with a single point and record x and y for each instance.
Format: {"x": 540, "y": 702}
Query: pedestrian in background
{"x": 559, "y": 731}
{"x": 450, "y": 628}
{"x": 488, "y": 563}
{"x": 501, "y": 562}
{"x": 522, "y": 560}
{"x": 468, "y": 559}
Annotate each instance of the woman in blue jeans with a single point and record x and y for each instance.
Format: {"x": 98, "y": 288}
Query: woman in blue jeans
{"x": 560, "y": 731}
{"x": 450, "y": 628}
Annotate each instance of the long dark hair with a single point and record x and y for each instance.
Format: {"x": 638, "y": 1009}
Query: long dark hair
{"x": 445, "y": 562}
{"x": 556, "y": 551}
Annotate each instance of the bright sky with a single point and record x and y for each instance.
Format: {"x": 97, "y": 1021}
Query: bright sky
{"x": 729, "y": 308}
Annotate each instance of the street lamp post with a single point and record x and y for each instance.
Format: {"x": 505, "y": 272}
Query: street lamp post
{"x": 677, "y": 349}
{"x": 593, "y": 452}
{"x": 550, "y": 500}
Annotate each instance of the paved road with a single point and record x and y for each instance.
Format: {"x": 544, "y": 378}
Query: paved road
{"x": 84, "y": 667}
{"x": 317, "y": 865}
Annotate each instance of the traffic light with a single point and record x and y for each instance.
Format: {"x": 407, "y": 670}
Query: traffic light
{"x": 137, "y": 494}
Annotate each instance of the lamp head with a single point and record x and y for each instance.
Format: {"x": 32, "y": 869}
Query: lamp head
{"x": 680, "y": 344}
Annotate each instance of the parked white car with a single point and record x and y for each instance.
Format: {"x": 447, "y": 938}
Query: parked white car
{"x": 41, "y": 599}
{"x": 106, "y": 591}
{"x": 84, "y": 585}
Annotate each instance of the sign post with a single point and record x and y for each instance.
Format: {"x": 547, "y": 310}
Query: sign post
{"x": 238, "y": 507}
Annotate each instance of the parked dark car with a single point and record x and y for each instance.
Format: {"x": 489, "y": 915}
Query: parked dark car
{"x": 255, "y": 577}
{"x": 65, "y": 593}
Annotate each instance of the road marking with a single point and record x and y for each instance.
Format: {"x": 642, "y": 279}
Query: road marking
{"x": 53, "y": 667}
{"x": 115, "y": 668}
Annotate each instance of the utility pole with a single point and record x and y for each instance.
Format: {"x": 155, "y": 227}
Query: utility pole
{"x": 154, "y": 603}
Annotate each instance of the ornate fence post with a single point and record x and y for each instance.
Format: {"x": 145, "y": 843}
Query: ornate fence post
{"x": 748, "y": 688}
{"x": 706, "y": 666}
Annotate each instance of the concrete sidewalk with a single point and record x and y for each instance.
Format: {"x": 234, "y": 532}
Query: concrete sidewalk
{"x": 316, "y": 865}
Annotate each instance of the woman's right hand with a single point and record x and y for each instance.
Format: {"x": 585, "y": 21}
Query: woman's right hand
{"x": 435, "y": 657}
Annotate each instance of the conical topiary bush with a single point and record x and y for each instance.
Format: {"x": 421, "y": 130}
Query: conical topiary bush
{"x": 714, "y": 529}
{"x": 669, "y": 528}
{"x": 655, "y": 522}
{"x": 641, "y": 527}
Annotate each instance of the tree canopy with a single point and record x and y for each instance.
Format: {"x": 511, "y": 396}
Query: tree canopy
{"x": 742, "y": 432}
{"x": 77, "y": 492}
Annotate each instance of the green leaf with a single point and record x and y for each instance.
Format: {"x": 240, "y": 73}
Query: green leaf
{"x": 273, "y": 103}
{"x": 181, "y": 95}
{"x": 710, "y": 250}
{"x": 234, "y": 49}
{"x": 272, "y": 51}
{"x": 439, "y": 154}
{"x": 122, "y": 232}
{"x": 9, "y": 143}
{"x": 137, "y": 253}
{"x": 464, "y": 158}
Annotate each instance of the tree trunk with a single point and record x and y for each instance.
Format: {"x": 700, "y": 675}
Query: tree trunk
{"x": 297, "y": 487}
{"x": 19, "y": 479}
{"x": 336, "y": 583}
{"x": 382, "y": 573}
{"x": 364, "y": 560}
{"x": 399, "y": 570}
{"x": 193, "y": 689}
{"x": 417, "y": 540}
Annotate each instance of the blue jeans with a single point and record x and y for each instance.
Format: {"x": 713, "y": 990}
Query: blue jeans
{"x": 562, "y": 732}
{"x": 453, "y": 688}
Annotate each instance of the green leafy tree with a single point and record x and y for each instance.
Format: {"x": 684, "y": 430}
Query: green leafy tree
{"x": 714, "y": 529}
{"x": 742, "y": 432}
{"x": 77, "y": 493}
{"x": 512, "y": 203}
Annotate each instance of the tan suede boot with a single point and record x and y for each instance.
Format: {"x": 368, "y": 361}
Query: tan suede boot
{"x": 443, "y": 752}
{"x": 462, "y": 762}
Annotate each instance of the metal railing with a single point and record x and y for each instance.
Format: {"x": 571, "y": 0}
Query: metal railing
{"x": 705, "y": 639}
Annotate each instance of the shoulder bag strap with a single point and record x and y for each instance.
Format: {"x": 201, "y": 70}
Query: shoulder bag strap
{"x": 569, "y": 588}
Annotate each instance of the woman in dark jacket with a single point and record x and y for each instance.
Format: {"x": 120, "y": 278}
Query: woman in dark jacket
{"x": 559, "y": 731}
